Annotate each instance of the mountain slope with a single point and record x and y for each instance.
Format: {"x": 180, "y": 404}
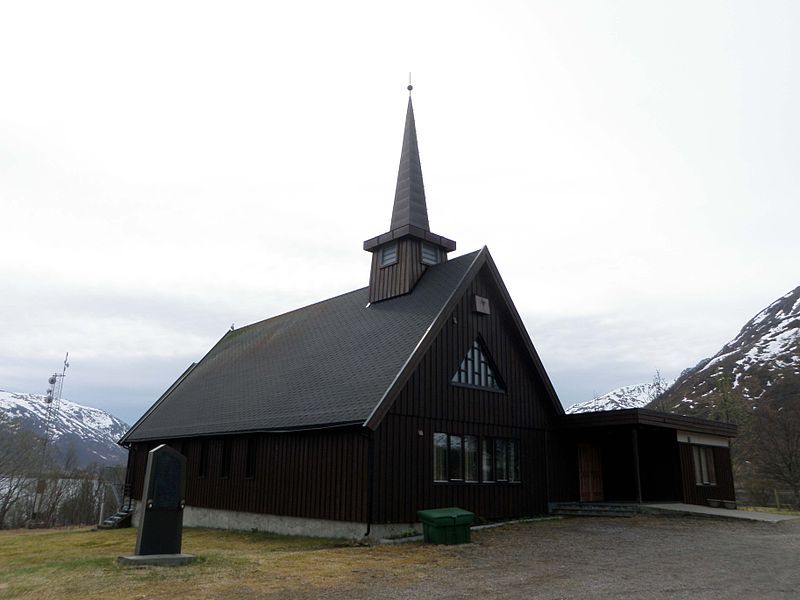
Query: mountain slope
{"x": 628, "y": 396}
{"x": 90, "y": 432}
{"x": 762, "y": 363}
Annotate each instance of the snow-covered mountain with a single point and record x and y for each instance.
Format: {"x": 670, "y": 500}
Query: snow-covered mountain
{"x": 628, "y": 396}
{"x": 762, "y": 363}
{"x": 90, "y": 432}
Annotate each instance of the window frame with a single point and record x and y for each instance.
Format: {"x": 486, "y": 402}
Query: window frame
{"x": 705, "y": 472}
{"x": 440, "y": 450}
{"x": 437, "y": 251}
{"x": 473, "y": 453}
{"x": 382, "y": 260}
{"x": 485, "y": 371}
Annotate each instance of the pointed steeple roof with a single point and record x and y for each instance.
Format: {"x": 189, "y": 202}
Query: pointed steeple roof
{"x": 409, "y": 197}
{"x": 410, "y": 212}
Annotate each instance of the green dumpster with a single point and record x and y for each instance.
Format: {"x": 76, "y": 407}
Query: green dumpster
{"x": 446, "y": 525}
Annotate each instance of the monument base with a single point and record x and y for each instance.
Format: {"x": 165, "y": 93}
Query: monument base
{"x": 163, "y": 560}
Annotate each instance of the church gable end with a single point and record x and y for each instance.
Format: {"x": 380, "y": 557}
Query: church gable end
{"x": 519, "y": 396}
{"x": 502, "y": 431}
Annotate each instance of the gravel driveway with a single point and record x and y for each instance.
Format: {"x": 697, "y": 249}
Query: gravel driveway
{"x": 640, "y": 557}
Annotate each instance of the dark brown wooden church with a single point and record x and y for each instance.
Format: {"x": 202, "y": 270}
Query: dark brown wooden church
{"x": 422, "y": 390}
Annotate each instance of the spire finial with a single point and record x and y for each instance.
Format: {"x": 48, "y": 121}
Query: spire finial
{"x": 410, "y": 87}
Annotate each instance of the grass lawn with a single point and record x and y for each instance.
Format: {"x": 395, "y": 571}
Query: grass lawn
{"x": 81, "y": 563}
{"x": 771, "y": 509}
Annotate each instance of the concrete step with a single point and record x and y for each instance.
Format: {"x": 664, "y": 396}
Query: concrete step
{"x": 117, "y": 520}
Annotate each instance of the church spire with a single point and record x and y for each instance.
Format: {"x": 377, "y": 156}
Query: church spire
{"x": 401, "y": 256}
{"x": 409, "y": 196}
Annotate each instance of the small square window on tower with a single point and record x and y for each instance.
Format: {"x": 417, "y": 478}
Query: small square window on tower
{"x": 389, "y": 254}
{"x": 430, "y": 254}
{"x": 482, "y": 305}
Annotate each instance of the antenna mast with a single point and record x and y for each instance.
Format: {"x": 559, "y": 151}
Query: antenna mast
{"x": 53, "y": 401}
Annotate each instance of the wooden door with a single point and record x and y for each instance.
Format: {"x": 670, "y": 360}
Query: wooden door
{"x": 590, "y": 472}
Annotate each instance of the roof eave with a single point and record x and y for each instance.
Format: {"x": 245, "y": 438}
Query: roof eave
{"x": 125, "y": 439}
{"x": 277, "y": 430}
{"x": 410, "y": 231}
{"x": 645, "y": 416}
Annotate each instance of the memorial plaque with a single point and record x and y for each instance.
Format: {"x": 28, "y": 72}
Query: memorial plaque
{"x": 167, "y": 492}
{"x": 161, "y": 525}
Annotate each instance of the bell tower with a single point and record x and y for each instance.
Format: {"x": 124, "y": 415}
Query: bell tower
{"x": 401, "y": 256}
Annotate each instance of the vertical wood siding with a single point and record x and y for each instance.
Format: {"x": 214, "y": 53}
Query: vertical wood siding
{"x": 562, "y": 454}
{"x": 659, "y": 461}
{"x": 404, "y": 472}
{"x": 320, "y": 475}
{"x": 430, "y": 393}
{"x": 402, "y": 276}
{"x": 430, "y": 403}
{"x": 699, "y": 494}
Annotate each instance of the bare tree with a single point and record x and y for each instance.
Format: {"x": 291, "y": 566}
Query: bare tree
{"x": 729, "y": 406}
{"x": 656, "y": 397}
{"x": 59, "y": 483}
{"x": 18, "y": 454}
{"x": 776, "y": 437}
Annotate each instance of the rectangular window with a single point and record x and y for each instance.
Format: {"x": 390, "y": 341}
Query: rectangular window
{"x": 488, "y": 460}
{"x": 250, "y": 459}
{"x": 389, "y": 254}
{"x": 500, "y": 460}
{"x": 455, "y": 460}
{"x": 470, "y": 458}
{"x": 704, "y": 472}
{"x": 513, "y": 460}
{"x": 440, "y": 457}
{"x": 430, "y": 254}
{"x": 225, "y": 465}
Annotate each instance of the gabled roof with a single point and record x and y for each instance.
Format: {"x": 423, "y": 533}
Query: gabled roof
{"x": 326, "y": 364}
{"x": 334, "y": 363}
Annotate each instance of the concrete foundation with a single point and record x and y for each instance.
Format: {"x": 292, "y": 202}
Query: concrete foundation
{"x": 245, "y": 521}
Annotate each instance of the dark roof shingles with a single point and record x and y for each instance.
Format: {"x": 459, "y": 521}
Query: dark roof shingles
{"x": 327, "y": 363}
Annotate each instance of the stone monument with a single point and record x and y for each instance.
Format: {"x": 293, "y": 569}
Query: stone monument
{"x": 158, "y": 540}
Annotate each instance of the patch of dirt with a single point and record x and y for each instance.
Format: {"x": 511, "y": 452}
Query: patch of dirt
{"x": 640, "y": 557}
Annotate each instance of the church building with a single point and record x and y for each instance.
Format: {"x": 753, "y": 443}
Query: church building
{"x": 421, "y": 390}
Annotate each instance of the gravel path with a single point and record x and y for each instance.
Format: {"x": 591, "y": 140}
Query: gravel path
{"x": 640, "y": 557}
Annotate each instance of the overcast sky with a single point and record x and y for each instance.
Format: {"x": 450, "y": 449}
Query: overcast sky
{"x": 167, "y": 169}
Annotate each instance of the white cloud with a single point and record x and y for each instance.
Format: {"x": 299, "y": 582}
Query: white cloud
{"x": 168, "y": 170}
